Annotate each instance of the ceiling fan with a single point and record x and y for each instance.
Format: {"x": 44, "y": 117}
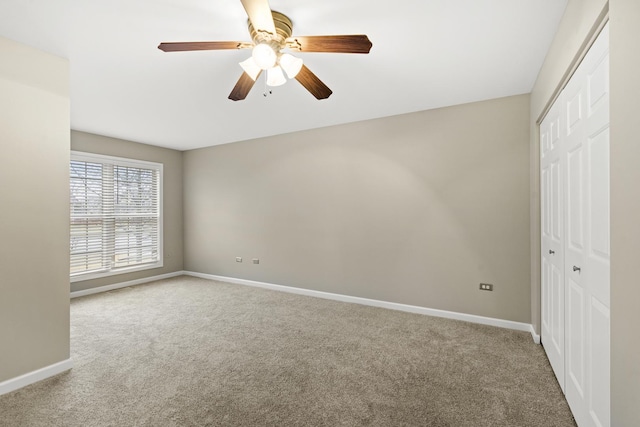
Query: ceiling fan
{"x": 271, "y": 33}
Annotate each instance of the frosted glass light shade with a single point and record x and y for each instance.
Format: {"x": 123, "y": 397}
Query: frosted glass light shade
{"x": 264, "y": 56}
{"x": 251, "y": 68}
{"x": 291, "y": 65}
{"x": 275, "y": 76}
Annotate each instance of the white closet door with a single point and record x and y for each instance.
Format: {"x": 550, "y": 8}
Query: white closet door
{"x": 584, "y": 180}
{"x": 586, "y": 110}
{"x": 552, "y": 220}
{"x": 575, "y": 292}
{"x": 597, "y": 253}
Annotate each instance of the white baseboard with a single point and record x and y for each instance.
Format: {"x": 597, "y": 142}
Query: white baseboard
{"x": 33, "y": 377}
{"x": 508, "y": 324}
{"x": 76, "y": 294}
{"x": 501, "y": 323}
{"x": 536, "y": 337}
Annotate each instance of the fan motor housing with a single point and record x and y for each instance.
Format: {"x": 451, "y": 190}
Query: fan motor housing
{"x": 284, "y": 29}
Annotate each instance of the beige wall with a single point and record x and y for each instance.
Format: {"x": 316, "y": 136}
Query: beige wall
{"x": 625, "y": 212}
{"x": 34, "y": 224}
{"x": 415, "y": 209}
{"x": 578, "y": 23}
{"x": 172, "y": 199}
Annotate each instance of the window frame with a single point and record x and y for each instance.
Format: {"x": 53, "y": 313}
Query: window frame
{"x": 124, "y": 162}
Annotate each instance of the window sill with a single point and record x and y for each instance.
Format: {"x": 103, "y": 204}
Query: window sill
{"x": 100, "y": 274}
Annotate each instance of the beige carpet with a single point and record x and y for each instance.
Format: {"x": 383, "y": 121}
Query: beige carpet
{"x": 192, "y": 352}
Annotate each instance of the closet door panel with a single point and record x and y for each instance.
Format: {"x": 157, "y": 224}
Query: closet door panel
{"x": 575, "y": 220}
{"x": 576, "y": 319}
{"x": 598, "y": 248}
{"x": 588, "y": 257}
{"x": 576, "y": 296}
{"x": 599, "y": 362}
{"x": 598, "y": 254}
{"x": 573, "y": 110}
{"x": 556, "y": 302}
{"x": 556, "y": 214}
{"x": 552, "y": 256}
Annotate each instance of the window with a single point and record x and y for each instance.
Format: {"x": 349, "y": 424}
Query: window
{"x": 116, "y": 215}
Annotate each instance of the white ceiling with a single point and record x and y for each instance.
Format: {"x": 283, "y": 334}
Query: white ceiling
{"x": 426, "y": 54}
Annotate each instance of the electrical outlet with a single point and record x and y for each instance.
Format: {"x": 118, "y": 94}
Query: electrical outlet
{"x": 256, "y": 261}
{"x": 486, "y": 287}
{"x": 238, "y": 259}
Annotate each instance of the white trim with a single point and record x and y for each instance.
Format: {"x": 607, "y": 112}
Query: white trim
{"x": 105, "y": 158}
{"x": 508, "y": 324}
{"x": 110, "y": 273}
{"x": 34, "y": 376}
{"x": 536, "y": 337}
{"x": 90, "y": 291}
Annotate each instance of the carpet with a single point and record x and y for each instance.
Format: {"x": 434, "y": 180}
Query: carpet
{"x": 193, "y": 352}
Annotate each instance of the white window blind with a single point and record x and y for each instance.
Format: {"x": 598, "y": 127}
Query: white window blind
{"x": 116, "y": 221}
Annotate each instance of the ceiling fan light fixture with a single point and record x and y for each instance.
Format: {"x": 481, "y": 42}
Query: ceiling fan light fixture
{"x": 275, "y": 76}
{"x": 271, "y": 34}
{"x": 251, "y": 68}
{"x": 291, "y": 65}
{"x": 264, "y": 56}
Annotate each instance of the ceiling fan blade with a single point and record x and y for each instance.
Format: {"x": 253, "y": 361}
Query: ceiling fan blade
{"x": 356, "y": 43}
{"x": 187, "y": 46}
{"x": 313, "y": 84}
{"x": 243, "y": 87}
{"x": 259, "y": 14}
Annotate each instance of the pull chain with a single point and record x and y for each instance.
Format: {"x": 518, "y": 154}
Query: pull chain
{"x": 266, "y": 92}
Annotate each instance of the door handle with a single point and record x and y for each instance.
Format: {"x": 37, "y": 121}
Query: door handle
{"x": 551, "y": 252}
{"x": 576, "y": 268}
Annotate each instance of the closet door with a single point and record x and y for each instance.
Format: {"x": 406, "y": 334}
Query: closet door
{"x": 580, "y": 352}
{"x": 552, "y": 245}
{"x": 587, "y": 255}
{"x": 574, "y": 268}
